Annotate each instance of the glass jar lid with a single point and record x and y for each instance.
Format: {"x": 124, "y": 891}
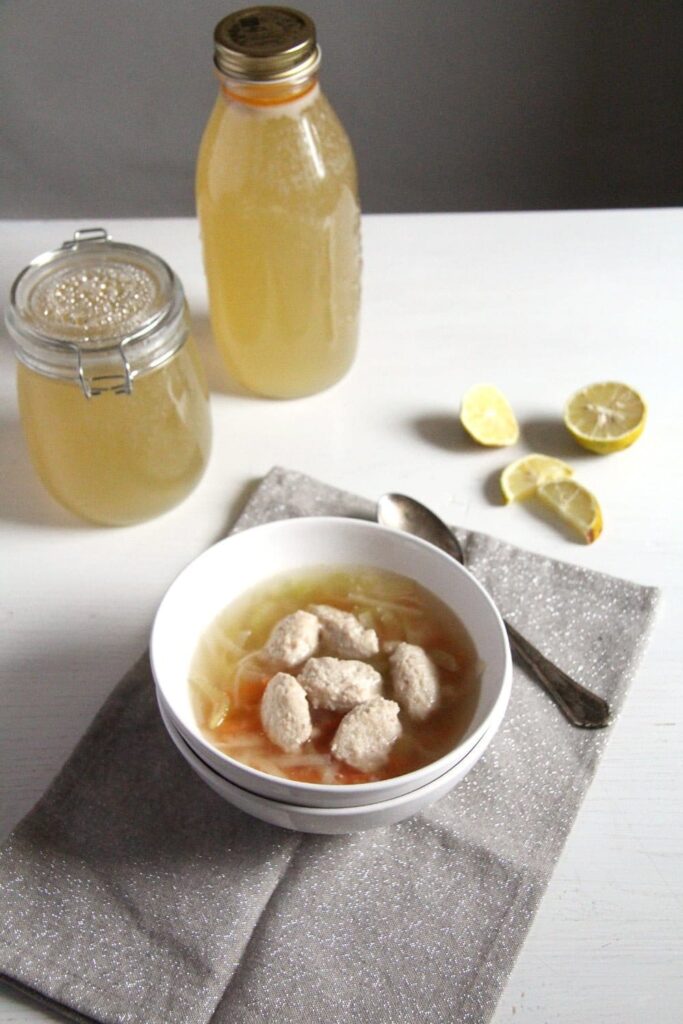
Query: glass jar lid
{"x": 96, "y": 312}
{"x": 266, "y": 44}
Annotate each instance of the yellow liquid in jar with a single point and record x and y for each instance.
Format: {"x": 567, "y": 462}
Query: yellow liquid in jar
{"x": 119, "y": 459}
{"x": 280, "y": 222}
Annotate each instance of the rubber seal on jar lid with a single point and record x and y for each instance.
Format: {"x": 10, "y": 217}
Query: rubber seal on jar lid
{"x": 96, "y": 312}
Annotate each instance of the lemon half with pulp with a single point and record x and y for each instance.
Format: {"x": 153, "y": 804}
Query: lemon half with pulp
{"x": 487, "y": 416}
{"x": 575, "y": 504}
{"x": 605, "y": 417}
{"x": 521, "y": 479}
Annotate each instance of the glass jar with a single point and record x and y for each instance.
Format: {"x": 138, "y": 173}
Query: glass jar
{"x": 278, "y": 208}
{"x": 112, "y": 394}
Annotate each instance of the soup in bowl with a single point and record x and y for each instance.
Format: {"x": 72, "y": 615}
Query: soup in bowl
{"x": 329, "y": 662}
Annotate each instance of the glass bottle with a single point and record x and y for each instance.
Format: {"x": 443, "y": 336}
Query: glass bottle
{"x": 112, "y": 394}
{"x": 278, "y": 208}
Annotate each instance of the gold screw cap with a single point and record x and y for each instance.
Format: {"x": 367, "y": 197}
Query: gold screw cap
{"x": 266, "y": 44}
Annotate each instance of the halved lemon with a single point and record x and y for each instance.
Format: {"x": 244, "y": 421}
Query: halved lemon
{"x": 575, "y": 504}
{"x": 487, "y": 416}
{"x": 521, "y": 478}
{"x": 605, "y": 417}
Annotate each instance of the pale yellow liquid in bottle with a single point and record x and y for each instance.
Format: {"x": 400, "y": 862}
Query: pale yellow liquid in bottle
{"x": 119, "y": 459}
{"x": 280, "y": 223}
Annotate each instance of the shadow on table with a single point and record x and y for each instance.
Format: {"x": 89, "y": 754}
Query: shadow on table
{"x": 549, "y": 436}
{"x": 545, "y": 434}
{"x": 491, "y": 485}
{"x": 443, "y": 430}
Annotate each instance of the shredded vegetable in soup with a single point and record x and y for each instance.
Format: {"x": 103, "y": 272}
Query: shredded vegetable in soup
{"x": 335, "y": 676}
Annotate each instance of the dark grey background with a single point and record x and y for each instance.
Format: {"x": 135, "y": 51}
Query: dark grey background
{"x": 451, "y": 104}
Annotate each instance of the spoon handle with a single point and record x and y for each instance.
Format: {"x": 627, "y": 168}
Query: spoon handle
{"x": 582, "y": 707}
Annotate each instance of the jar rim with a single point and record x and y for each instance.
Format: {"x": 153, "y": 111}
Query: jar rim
{"x": 70, "y": 351}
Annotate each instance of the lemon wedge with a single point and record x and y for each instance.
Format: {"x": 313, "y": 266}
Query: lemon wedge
{"x": 520, "y": 479}
{"x": 605, "y": 417}
{"x": 575, "y": 504}
{"x": 487, "y": 416}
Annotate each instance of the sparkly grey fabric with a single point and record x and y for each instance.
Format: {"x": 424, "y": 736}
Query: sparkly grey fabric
{"x": 133, "y": 895}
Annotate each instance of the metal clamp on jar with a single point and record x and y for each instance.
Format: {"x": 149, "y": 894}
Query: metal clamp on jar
{"x": 112, "y": 394}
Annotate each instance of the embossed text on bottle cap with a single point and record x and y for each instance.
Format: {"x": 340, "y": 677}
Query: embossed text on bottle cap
{"x": 266, "y": 44}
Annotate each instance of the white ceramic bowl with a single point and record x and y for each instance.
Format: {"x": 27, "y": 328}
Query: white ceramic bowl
{"x": 350, "y": 796}
{"x": 337, "y": 820}
{"x": 231, "y": 567}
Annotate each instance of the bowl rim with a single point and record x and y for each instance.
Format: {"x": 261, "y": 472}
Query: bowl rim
{"x": 354, "y": 809}
{"x": 318, "y": 787}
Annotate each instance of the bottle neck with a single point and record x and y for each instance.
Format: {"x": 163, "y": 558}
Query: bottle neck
{"x": 267, "y": 94}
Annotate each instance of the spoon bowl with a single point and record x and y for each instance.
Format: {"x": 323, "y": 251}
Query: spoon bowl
{"x": 399, "y": 512}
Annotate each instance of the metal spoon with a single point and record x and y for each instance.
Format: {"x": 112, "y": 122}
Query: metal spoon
{"x": 579, "y": 705}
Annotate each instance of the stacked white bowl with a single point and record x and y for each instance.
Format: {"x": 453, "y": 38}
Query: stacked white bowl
{"x": 230, "y": 568}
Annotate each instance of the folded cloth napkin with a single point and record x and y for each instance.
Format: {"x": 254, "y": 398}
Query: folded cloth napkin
{"x": 132, "y": 894}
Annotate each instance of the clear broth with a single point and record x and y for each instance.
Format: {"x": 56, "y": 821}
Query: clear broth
{"x": 280, "y": 225}
{"x": 227, "y": 678}
{"x": 120, "y": 459}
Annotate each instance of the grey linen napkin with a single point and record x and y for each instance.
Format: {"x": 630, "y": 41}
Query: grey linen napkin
{"x": 134, "y": 895}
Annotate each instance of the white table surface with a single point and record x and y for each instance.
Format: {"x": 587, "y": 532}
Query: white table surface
{"x": 538, "y": 303}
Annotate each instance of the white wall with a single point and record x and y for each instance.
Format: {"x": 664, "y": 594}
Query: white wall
{"x": 451, "y": 104}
